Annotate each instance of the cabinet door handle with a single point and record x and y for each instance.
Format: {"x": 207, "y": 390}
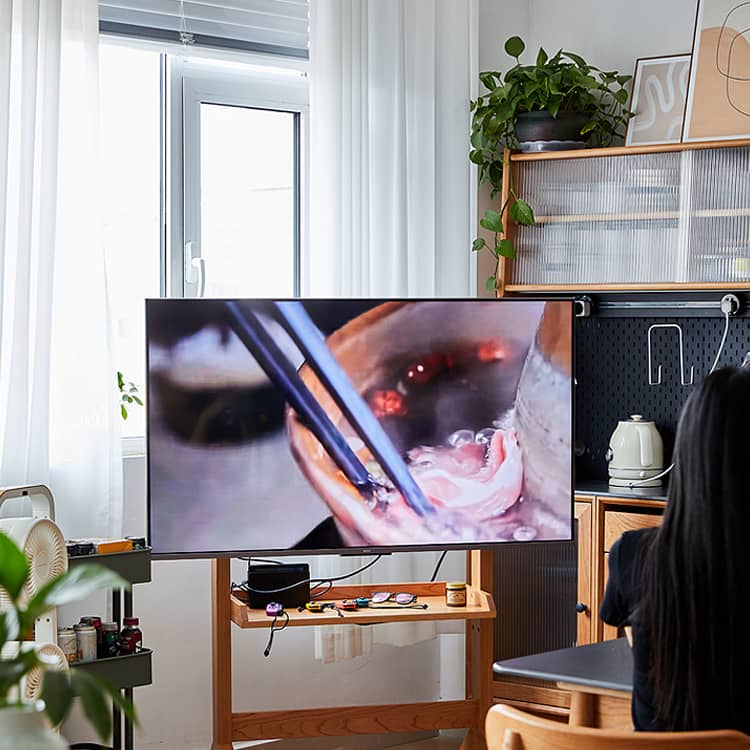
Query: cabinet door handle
{"x": 581, "y": 608}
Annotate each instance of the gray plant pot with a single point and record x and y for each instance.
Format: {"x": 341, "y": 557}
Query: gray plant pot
{"x": 539, "y": 131}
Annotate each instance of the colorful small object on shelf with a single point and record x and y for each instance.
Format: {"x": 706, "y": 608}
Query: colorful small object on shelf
{"x": 131, "y": 638}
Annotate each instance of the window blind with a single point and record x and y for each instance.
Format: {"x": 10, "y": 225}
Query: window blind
{"x": 274, "y": 26}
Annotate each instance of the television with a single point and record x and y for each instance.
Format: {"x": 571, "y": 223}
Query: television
{"x": 353, "y": 426}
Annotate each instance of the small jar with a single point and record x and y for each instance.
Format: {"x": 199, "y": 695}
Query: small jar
{"x": 66, "y": 640}
{"x": 85, "y": 642}
{"x": 131, "y": 639}
{"x": 455, "y": 594}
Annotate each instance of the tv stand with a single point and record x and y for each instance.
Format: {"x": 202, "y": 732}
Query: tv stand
{"x": 229, "y": 607}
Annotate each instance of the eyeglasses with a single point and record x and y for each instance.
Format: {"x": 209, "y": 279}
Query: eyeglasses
{"x": 402, "y": 598}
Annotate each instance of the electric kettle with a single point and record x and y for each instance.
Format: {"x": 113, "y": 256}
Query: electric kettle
{"x": 635, "y": 454}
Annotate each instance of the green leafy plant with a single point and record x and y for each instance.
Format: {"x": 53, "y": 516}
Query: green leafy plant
{"x": 564, "y": 82}
{"x": 59, "y": 689}
{"x": 128, "y": 394}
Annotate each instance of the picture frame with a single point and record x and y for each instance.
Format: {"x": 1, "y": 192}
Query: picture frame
{"x": 718, "y": 101}
{"x": 658, "y": 97}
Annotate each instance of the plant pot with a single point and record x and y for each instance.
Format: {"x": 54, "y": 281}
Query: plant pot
{"x": 539, "y": 131}
{"x": 27, "y": 727}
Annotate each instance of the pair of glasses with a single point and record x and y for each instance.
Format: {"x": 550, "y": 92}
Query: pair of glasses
{"x": 402, "y": 598}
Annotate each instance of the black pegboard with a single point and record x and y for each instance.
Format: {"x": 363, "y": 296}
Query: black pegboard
{"x": 611, "y": 364}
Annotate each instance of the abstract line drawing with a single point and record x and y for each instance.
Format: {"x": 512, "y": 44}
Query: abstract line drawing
{"x": 726, "y": 70}
{"x": 718, "y": 102}
{"x": 659, "y": 91}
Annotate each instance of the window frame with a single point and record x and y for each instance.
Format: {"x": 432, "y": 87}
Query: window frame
{"x": 222, "y": 69}
{"x": 195, "y": 82}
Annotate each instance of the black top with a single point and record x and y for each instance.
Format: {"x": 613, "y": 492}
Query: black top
{"x": 620, "y": 608}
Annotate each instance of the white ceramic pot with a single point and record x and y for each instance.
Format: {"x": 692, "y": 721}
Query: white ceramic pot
{"x": 27, "y": 727}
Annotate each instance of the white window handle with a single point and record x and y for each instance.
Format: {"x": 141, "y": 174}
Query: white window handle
{"x": 195, "y": 267}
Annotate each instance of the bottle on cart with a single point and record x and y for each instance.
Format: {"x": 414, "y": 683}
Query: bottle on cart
{"x": 131, "y": 638}
{"x": 110, "y": 637}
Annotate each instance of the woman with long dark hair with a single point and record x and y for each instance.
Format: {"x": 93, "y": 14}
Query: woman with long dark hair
{"x": 685, "y": 587}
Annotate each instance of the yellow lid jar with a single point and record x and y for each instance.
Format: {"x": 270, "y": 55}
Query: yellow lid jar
{"x": 455, "y": 594}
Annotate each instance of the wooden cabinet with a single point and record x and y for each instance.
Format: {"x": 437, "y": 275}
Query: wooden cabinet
{"x": 601, "y": 521}
{"x": 611, "y": 517}
{"x": 584, "y": 517}
{"x": 646, "y": 217}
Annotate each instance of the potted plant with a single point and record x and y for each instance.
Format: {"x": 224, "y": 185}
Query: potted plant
{"x": 560, "y": 101}
{"x": 22, "y": 724}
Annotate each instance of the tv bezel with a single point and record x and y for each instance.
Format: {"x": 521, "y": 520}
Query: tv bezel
{"x": 371, "y": 550}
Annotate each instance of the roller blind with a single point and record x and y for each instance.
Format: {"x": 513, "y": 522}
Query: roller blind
{"x": 274, "y": 26}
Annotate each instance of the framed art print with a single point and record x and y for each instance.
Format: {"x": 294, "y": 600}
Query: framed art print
{"x": 718, "y": 103}
{"x": 659, "y": 91}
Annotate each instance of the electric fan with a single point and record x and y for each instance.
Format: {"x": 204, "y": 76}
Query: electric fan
{"x": 44, "y": 546}
{"x": 53, "y": 658}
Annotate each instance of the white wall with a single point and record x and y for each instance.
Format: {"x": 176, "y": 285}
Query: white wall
{"x": 612, "y": 34}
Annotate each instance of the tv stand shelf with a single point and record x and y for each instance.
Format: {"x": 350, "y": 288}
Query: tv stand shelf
{"x": 229, "y": 606}
{"x": 479, "y": 606}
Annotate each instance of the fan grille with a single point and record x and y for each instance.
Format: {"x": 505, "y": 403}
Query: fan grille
{"x": 54, "y": 659}
{"x": 48, "y": 558}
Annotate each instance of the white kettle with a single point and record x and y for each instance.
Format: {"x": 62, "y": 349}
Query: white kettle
{"x": 636, "y": 453}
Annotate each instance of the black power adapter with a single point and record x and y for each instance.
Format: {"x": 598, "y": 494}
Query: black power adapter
{"x": 265, "y": 581}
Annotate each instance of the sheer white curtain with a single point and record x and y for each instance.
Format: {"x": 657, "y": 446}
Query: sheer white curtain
{"x": 392, "y": 193}
{"x": 58, "y": 400}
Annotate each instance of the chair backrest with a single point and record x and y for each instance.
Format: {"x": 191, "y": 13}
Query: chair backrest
{"x": 510, "y": 729}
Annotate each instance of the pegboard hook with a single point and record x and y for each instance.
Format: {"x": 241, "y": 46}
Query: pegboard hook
{"x": 657, "y": 380}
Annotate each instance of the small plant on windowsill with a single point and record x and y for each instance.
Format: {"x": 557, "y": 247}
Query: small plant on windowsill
{"x": 128, "y": 394}
{"x": 22, "y": 723}
{"x": 559, "y": 101}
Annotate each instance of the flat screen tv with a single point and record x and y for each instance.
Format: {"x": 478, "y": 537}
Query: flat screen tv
{"x": 348, "y": 425}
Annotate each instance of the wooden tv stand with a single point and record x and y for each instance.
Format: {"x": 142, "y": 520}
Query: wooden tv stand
{"x": 469, "y": 713}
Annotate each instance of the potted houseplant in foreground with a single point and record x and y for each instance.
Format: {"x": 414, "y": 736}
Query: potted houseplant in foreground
{"x": 23, "y": 724}
{"x": 558, "y": 102}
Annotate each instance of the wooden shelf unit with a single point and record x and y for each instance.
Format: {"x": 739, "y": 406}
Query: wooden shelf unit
{"x": 479, "y": 606}
{"x": 657, "y": 227}
{"x": 479, "y": 614}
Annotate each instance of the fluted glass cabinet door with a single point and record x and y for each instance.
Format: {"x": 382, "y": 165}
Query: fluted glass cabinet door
{"x": 633, "y": 219}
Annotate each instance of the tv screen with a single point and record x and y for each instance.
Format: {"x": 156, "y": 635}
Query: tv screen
{"x": 298, "y": 426}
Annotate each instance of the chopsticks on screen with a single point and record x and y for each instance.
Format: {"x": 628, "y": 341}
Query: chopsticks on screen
{"x": 320, "y": 359}
{"x": 250, "y": 328}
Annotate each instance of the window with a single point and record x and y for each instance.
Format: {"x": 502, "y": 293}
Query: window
{"x": 203, "y": 186}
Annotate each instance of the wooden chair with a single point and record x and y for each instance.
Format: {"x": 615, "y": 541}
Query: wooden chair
{"x": 510, "y": 729}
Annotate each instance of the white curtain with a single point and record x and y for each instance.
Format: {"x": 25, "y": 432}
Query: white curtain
{"x": 58, "y": 400}
{"x": 392, "y": 192}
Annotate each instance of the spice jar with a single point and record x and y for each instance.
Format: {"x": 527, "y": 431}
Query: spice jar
{"x": 455, "y": 594}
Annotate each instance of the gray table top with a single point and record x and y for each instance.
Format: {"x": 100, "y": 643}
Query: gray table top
{"x": 606, "y": 665}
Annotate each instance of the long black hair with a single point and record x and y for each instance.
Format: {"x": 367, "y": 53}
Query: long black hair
{"x": 697, "y": 577}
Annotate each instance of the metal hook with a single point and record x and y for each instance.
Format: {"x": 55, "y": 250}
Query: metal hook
{"x": 657, "y": 381}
